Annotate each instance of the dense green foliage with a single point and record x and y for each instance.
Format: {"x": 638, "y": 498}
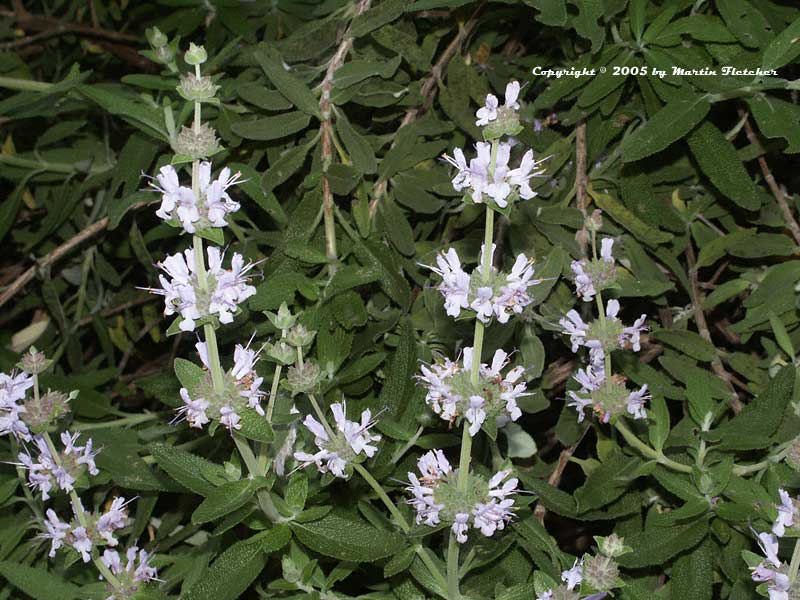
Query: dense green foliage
{"x": 345, "y": 200}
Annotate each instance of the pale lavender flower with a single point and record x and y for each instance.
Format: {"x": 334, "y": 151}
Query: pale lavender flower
{"x": 229, "y": 418}
{"x": 133, "y": 573}
{"x": 455, "y": 282}
{"x": 636, "y": 402}
{"x": 574, "y": 576}
{"x": 116, "y": 517}
{"x": 194, "y": 410}
{"x": 787, "y": 513}
{"x": 56, "y": 531}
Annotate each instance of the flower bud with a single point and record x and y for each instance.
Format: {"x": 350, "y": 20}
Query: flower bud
{"x": 196, "y": 144}
{"x": 195, "y": 55}
{"x": 197, "y": 89}
{"x": 284, "y": 319}
{"x": 299, "y": 337}
{"x": 601, "y": 572}
{"x": 594, "y": 222}
{"x": 612, "y": 545}
{"x": 34, "y": 362}
{"x": 280, "y": 352}
{"x": 305, "y": 378}
{"x": 53, "y": 405}
{"x": 156, "y": 37}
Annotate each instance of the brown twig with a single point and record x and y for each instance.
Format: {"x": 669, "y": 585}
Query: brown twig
{"x": 53, "y": 26}
{"x": 118, "y": 309}
{"x": 428, "y": 92}
{"x": 791, "y": 222}
{"x": 702, "y": 327}
{"x": 52, "y": 257}
{"x": 555, "y": 477}
{"x": 326, "y": 135}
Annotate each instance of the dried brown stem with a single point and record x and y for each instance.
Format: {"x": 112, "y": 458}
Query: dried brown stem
{"x": 555, "y": 477}
{"x": 52, "y": 26}
{"x": 428, "y": 92}
{"x": 780, "y": 197}
{"x": 702, "y": 327}
{"x": 52, "y": 257}
{"x": 326, "y": 135}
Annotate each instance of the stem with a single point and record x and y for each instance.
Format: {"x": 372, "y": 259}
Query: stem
{"x": 794, "y": 564}
{"x": 31, "y": 501}
{"x": 383, "y": 496}
{"x": 24, "y": 85}
{"x": 649, "y": 452}
{"x": 131, "y": 420}
{"x": 453, "y": 592}
{"x": 432, "y": 567}
{"x": 264, "y": 500}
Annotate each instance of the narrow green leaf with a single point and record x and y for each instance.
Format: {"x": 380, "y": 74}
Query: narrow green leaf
{"x": 272, "y": 128}
{"x": 223, "y": 500}
{"x": 39, "y": 584}
{"x": 297, "y": 92}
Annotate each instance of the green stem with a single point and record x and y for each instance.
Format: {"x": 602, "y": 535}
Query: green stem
{"x": 401, "y": 522}
{"x": 264, "y": 500}
{"x": 453, "y": 592}
{"x": 794, "y": 564}
{"x": 130, "y": 420}
{"x": 649, "y": 452}
{"x": 31, "y": 501}
{"x": 54, "y": 167}
{"x": 24, "y": 85}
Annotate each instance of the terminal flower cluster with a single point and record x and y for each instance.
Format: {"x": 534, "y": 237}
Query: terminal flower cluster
{"x": 130, "y": 574}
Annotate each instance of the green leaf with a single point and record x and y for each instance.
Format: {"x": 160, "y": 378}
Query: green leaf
{"x": 777, "y": 118}
{"x": 255, "y": 427}
{"x": 712, "y": 251}
{"x": 345, "y": 538}
{"x": 378, "y": 16}
{"x": 617, "y": 211}
{"x": 295, "y": 90}
{"x": 781, "y": 335}
{"x": 142, "y": 117}
{"x": 251, "y": 186}
{"x": 399, "y": 384}
{"x": 271, "y": 128}
{"x": 752, "y": 428}
{"x": 784, "y": 49}
{"x": 520, "y": 443}
{"x": 189, "y": 374}
{"x": 223, "y": 500}
{"x": 607, "y": 482}
{"x": 39, "y": 584}
{"x": 688, "y": 342}
{"x": 399, "y": 563}
{"x": 397, "y": 227}
{"x": 360, "y": 151}
{"x": 656, "y": 545}
{"x": 693, "y": 574}
{"x": 659, "y": 428}
{"x": 718, "y": 159}
{"x": 747, "y": 23}
{"x": 191, "y": 471}
{"x": 669, "y": 124}
{"x": 236, "y": 568}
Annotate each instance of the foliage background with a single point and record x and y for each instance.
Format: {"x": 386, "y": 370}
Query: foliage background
{"x": 693, "y": 174}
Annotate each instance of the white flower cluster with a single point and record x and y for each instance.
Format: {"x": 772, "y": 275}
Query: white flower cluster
{"x": 83, "y": 537}
{"x": 496, "y": 295}
{"x": 772, "y": 571}
{"x": 501, "y": 185}
{"x": 179, "y": 203}
{"x": 451, "y": 393}
{"x": 183, "y": 293}
{"x": 487, "y": 506}
{"x": 242, "y": 389}
{"x": 341, "y": 447}
{"x": 46, "y": 471}
{"x": 596, "y": 274}
{"x": 132, "y": 574}
{"x": 603, "y": 335}
{"x": 12, "y": 390}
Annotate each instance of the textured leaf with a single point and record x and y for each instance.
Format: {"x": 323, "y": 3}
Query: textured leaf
{"x": 348, "y": 539}
{"x": 272, "y": 128}
{"x": 39, "y": 584}
{"x": 290, "y": 86}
